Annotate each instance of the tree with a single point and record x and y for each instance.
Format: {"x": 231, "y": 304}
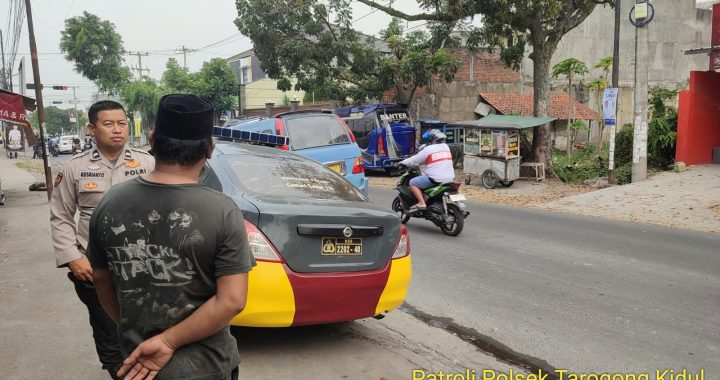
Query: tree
{"x": 599, "y": 85}
{"x": 96, "y": 49}
{"x": 57, "y": 121}
{"x": 298, "y": 39}
{"x": 569, "y": 68}
{"x": 217, "y": 83}
{"x": 143, "y": 96}
{"x": 605, "y": 64}
{"x": 176, "y": 79}
{"x": 507, "y": 25}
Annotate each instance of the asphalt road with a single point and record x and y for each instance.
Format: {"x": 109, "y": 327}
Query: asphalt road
{"x": 584, "y": 294}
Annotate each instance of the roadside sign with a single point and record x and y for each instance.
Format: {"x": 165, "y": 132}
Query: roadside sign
{"x": 610, "y": 105}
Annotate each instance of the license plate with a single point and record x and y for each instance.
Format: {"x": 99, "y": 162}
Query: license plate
{"x": 341, "y": 247}
{"x": 457, "y": 197}
{"x": 337, "y": 168}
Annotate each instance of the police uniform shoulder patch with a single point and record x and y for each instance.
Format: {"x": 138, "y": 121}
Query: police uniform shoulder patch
{"x": 58, "y": 179}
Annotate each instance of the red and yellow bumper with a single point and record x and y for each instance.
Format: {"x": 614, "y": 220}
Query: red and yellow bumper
{"x": 279, "y": 297}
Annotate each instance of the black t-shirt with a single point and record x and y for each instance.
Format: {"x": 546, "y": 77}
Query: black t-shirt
{"x": 165, "y": 245}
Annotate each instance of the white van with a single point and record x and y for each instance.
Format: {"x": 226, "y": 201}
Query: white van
{"x": 65, "y": 144}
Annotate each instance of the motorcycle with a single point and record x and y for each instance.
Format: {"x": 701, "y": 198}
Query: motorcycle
{"x": 445, "y": 206}
{"x": 76, "y": 147}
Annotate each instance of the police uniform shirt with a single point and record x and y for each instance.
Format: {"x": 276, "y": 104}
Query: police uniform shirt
{"x": 79, "y": 186}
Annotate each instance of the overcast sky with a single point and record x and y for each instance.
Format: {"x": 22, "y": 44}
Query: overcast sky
{"x": 158, "y": 27}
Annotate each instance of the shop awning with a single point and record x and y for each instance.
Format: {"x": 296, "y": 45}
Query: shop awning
{"x": 506, "y": 122}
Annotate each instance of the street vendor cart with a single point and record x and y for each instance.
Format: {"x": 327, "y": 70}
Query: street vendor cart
{"x": 492, "y": 148}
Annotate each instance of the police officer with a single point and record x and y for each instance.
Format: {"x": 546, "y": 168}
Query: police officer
{"x": 79, "y": 187}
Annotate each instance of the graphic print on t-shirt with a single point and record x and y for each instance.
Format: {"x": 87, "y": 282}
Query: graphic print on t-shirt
{"x": 151, "y": 248}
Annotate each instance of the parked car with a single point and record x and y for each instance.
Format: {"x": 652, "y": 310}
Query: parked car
{"x": 324, "y": 253}
{"x": 318, "y": 135}
{"x": 66, "y": 142}
{"x": 384, "y": 132}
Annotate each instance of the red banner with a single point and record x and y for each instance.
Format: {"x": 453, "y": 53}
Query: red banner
{"x": 715, "y": 39}
{"x": 12, "y": 109}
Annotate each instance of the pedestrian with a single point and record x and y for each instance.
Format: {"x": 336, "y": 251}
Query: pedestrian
{"x": 79, "y": 186}
{"x": 173, "y": 295}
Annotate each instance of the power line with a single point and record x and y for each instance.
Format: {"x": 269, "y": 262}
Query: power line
{"x": 371, "y": 12}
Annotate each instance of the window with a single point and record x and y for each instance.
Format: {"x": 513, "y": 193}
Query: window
{"x": 314, "y": 131}
{"x": 244, "y": 75}
{"x": 289, "y": 177}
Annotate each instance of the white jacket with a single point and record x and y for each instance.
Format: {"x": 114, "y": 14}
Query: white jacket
{"x": 438, "y": 161}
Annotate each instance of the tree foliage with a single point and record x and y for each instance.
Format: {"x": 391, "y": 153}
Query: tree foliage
{"x": 508, "y": 25}
{"x": 570, "y": 68}
{"x": 176, "y": 79}
{"x": 57, "y": 120}
{"x": 143, "y": 96}
{"x": 662, "y": 131}
{"x": 217, "y": 83}
{"x": 96, "y": 50}
{"x": 313, "y": 41}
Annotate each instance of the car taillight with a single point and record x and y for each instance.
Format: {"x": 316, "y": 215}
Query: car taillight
{"x": 260, "y": 246}
{"x": 347, "y": 127}
{"x": 381, "y": 147}
{"x": 280, "y": 130}
{"x": 358, "y": 165}
{"x": 403, "y": 246}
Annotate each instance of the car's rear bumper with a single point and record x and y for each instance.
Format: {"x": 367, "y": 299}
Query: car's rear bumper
{"x": 279, "y": 297}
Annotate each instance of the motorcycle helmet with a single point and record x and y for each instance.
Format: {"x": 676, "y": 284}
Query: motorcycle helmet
{"x": 434, "y": 136}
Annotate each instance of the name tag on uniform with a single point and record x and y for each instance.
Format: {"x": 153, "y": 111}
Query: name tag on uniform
{"x": 94, "y": 186}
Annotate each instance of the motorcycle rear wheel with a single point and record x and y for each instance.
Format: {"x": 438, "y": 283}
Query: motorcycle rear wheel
{"x": 397, "y": 206}
{"x": 455, "y": 227}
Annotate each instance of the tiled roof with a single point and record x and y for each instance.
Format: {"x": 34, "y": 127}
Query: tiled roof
{"x": 522, "y": 104}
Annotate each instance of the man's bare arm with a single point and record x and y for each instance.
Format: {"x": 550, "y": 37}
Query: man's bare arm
{"x": 105, "y": 288}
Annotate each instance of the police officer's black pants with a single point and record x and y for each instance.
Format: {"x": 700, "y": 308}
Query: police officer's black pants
{"x": 107, "y": 343}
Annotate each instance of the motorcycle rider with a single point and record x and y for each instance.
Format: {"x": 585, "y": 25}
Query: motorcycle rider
{"x": 439, "y": 166}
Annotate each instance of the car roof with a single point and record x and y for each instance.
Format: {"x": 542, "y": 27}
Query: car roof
{"x": 367, "y": 108}
{"x": 227, "y": 147}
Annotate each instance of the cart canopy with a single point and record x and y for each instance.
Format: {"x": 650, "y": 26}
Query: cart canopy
{"x": 504, "y": 122}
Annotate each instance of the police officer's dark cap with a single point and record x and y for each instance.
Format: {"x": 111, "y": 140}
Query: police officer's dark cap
{"x": 184, "y": 117}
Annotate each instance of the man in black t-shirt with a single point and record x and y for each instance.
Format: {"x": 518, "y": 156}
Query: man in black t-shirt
{"x": 172, "y": 285}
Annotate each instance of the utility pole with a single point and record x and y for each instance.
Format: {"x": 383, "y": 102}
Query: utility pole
{"x": 184, "y": 50}
{"x": 640, "y": 114}
{"x": 2, "y": 71}
{"x": 38, "y": 96}
{"x": 615, "y": 84}
{"x": 139, "y": 68}
{"x": 77, "y": 117}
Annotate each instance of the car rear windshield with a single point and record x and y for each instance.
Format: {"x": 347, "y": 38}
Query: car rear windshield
{"x": 289, "y": 177}
{"x": 314, "y": 131}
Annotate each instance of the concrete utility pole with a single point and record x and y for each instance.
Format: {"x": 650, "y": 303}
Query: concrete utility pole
{"x": 3, "y": 85}
{"x": 184, "y": 50}
{"x": 38, "y": 96}
{"x": 615, "y": 84}
{"x": 139, "y": 68}
{"x": 640, "y": 119}
{"x": 77, "y": 117}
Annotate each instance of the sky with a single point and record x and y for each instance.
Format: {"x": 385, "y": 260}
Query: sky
{"x": 158, "y": 27}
